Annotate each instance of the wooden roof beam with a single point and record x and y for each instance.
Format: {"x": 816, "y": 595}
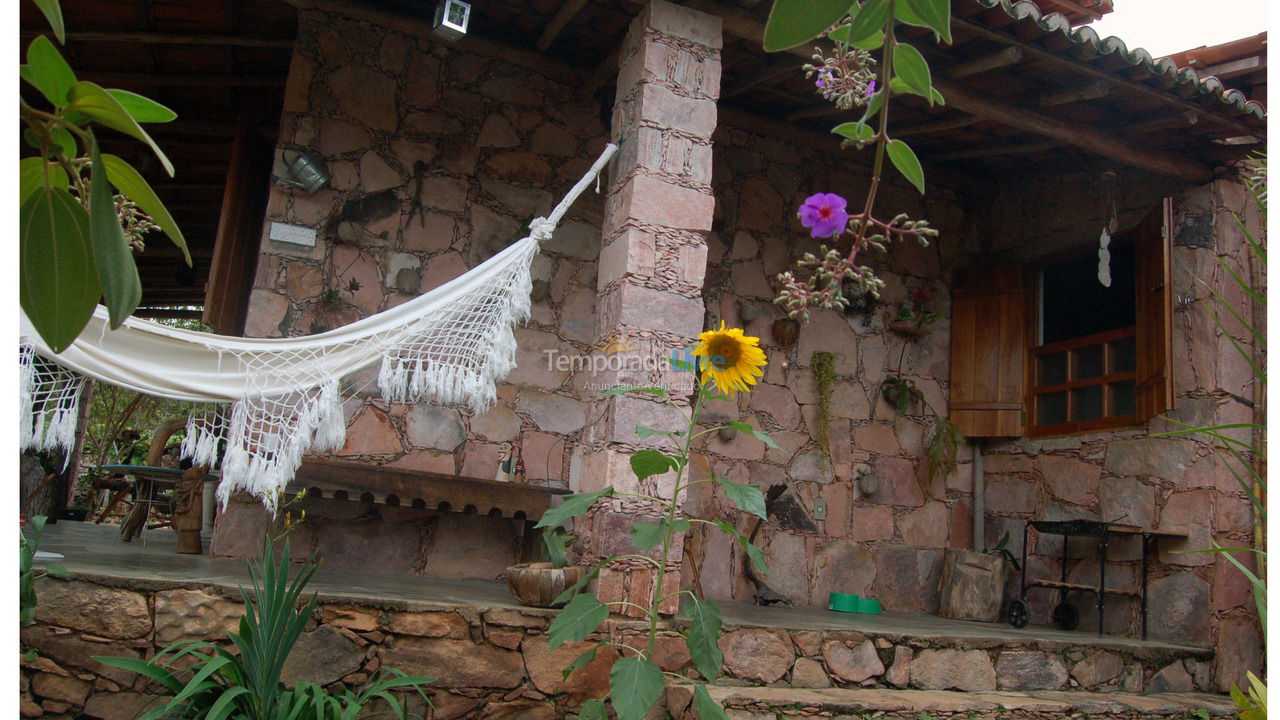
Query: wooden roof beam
{"x": 562, "y": 17}
{"x": 1004, "y": 58}
{"x": 767, "y": 76}
{"x": 1026, "y": 148}
{"x": 1089, "y": 91}
{"x": 170, "y": 38}
{"x": 185, "y": 80}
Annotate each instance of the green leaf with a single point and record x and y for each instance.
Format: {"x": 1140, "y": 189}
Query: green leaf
{"x": 581, "y": 661}
{"x": 902, "y": 87}
{"x": 577, "y": 620}
{"x": 753, "y": 553}
{"x": 58, "y": 283}
{"x": 645, "y": 535}
{"x": 92, "y": 100}
{"x": 121, "y": 288}
{"x": 856, "y": 131}
{"x": 795, "y": 22}
{"x": 133, "y": 186}
{"x": 48, "y": 72}
{"x": 634, "y": 686}
{"x": 583, "y": 581}
{"x": 747, "y": 497}
{"x": 65, "y": 141}
{"x": 592, "y": 709}
{"x": 912, "y": 67}
{"x": 644, "y": 431}
{"x": 933, "y": 14}
{"x": 871, "y": 42}
{"x": 757, "y": 433}
{"x": 647, "y": 463}
{"x": 703, "y": 636}
{"x": 868, "y": 21}
{"x": 907, "y": 163}
{"x": 873, "y": 106}
{"x": 53, "y": 13}
{"x": 31, "y": 177}
{"x": 707, "y": 708}
{"x": 624, "y": 389}
{"x": 572, "y": 506}
{"x": 141, "y": 108}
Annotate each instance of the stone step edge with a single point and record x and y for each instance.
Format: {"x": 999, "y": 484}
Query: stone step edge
{"x": 850, "y": 701}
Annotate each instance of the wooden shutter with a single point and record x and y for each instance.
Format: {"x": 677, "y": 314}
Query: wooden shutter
{"x": 989, "y": 323}
{"x": 1154, "y": 390}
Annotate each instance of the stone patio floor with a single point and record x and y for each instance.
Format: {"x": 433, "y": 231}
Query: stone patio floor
{"x": 94, "y": 551}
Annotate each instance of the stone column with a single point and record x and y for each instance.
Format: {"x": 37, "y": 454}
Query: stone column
{"x": 657, "y": 216}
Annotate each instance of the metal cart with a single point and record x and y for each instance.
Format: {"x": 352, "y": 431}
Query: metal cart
{"x": 1065, "y": 615}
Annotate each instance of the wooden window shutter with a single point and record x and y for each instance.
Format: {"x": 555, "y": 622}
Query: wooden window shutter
{"x": 1154, "y": 389}
{"x": 989, "y": 323}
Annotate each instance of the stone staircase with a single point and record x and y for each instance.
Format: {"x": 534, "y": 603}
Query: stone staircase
{"x": 786, "y": 703}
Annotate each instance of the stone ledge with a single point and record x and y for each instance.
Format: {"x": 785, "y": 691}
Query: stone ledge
{"x": 787, "y": 703}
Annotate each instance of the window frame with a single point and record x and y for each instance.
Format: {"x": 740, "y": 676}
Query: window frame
{"x": 1071, "y": 346}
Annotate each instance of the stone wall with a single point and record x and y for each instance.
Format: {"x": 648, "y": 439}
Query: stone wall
{"x": 493, "y": 662}
{"x": 500, "y": 140}
{"x": 1169, "y": 483}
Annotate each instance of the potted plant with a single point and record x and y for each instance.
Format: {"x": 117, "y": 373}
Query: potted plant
{"x": 972, "y": 583}
{"x": 913, "y": 318}
{"x": 537, "y": 584}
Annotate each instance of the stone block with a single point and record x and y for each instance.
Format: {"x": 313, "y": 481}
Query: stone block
{"x": 1069, "y": 478}
{"x": 757, "y": 654}
{"x": 1179, "y": 608}
{"x": 1171, "y": 678}
{"x": 1128, "y": 498}
{"x": 1098, "y": 668}
{"x": 498, "y": 424}
{"x": 456, "y": 663}
{"x": 926, "y": 527}
{"x": 551, "y": 412}
{"x": 899, "y": 483}
{"x": 467, "y": 546}
{"x": 372, "y": 433}
{"x": 118, "y": 705}
{"x": 435, "y": 428}
{"x": 809, "y": 673}
{"x": 631, "y": 253}
{"x": 871, "y": 523}
{"x": 71, "y": 651}
{"x": 1238, "y": 651}
{"x": 1164, "y": 458}
{"x": 951, "y": 669}
{"x": 429, "y": 624}
{"x": 684, "y": 22}
{"x": 651, "y": 200}
{"x": 788, "y": 564}
{"x": 108, "y": 612}
{"x": 321, "y": 656}
{"x": 1030, "y": 670}
{"x": 899, "y": 674}
{"x": 1011, "y": 494}
{"x": 194, "y": 615}
{"x": 60, "y": 688}
{"x": 852, "y": 662}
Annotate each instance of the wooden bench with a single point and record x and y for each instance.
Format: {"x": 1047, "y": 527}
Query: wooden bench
{"x": 346, "y": 480}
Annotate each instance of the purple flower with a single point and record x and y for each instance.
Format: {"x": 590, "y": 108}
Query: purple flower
{"x": 871, "y": 88}
{"x": 824, "y": 215}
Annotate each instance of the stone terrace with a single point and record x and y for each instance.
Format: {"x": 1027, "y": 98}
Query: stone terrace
{"x": 490, "y": 655}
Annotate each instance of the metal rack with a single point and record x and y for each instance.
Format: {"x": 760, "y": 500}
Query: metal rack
{"x": 1065, "y": 616}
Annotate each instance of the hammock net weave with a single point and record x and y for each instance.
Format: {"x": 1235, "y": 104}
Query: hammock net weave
{"x": 273, "y": 400}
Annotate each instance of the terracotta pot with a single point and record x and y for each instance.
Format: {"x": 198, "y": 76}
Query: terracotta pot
{"x": 538, "y": 584}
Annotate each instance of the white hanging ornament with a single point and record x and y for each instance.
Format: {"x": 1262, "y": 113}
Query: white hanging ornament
{"x": 1104, "y": 258}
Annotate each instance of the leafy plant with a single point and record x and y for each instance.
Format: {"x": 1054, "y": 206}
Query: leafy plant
{"x": 1002, "y": 549}
{"x": 73, "y": 244}
{"x": 635, "y": 681}
{"x": 555, "y": 545}
{"x": 27, "y": 572}
{"x": 209, "y": 681}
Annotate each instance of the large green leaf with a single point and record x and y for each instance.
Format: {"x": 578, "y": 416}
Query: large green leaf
{"x": 572, "y": 506}
{"x": 870, "y": 42}
{"x": 53, "y": 13}
{"x": 577, "y": 620}
{"x": 756, "y": 433}
{"x": 707, "y": 708}
{"x": 754, "y": 554}
{"x": 141, "y": 108}
{"x": 857, "y": 131}
{"x": 747, "y": 497}
{"x": 31, "y": 177}
{"x": 703, "y": 636}
{"x": 581, "y": 661}
{"x": 48, "y": 71}
{"x": 133, "y": 186}
{"x": 645, "y": 535}
{"x": 593, "y": 709}
{"x": 904, "y": 158}
{"x": 95, "y": 102}
{"x": 121, "y": 288}
{"x": 647, "y": 463}
{"x": 795, "y": 22}
{"x": 868, "y": 21}
{"x": 912, "y": 68}
{"x": 634, "y": 686}
{"x": 902, "y": 87}
{"x": 57, "y": 281}
{"x": 933, "y": 14}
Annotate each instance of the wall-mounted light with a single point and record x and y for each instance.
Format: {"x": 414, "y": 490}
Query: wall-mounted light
{"x": 304, "y": 170}
{"x": 451, "y": 19}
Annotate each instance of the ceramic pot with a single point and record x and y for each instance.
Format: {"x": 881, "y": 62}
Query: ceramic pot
{"x": 538, "y": 584}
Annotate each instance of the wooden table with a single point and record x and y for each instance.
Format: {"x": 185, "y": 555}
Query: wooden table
{"x": 148, "y": 480}
{"x": 1104, "y": 531}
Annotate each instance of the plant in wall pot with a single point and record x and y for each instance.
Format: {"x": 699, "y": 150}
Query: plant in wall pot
{"x": 540, "y": 584}
{"x": 730, "y": 362}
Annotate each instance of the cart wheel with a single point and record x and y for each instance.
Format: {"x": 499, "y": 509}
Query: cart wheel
{"x": 1017, "y": 614}
{"x": 1066, "y": 616}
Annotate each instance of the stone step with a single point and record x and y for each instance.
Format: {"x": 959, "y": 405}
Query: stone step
{"x": 784, "y": 703}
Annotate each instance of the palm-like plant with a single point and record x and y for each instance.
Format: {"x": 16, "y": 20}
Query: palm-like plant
{"x": 220, "y": 684}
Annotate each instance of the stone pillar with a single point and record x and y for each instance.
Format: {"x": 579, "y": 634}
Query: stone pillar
{"x": 657, "y": 216}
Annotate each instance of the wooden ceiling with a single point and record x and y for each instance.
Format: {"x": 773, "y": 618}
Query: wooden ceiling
{"x": 215, "y": 63}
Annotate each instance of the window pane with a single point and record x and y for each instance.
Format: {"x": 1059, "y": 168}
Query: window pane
{"x": 1086, "y": 403}
{"x": 1122, "y": 399}
{"x": 1088, "y": 363}
{"x": 1123, "y": 356}
{"x": 1053, "y": 369}
{"x": 1051, "y": 408}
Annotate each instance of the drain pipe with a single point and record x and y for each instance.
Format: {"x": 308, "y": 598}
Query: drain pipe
{"x": 979, "y": 499}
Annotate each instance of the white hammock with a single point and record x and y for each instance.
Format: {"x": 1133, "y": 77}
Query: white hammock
{"x": 450, "y": 345}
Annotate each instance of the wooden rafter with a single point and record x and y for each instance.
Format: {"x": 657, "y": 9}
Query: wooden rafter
{"x": 558, "y": 21}
{"x": 169, "y": 38}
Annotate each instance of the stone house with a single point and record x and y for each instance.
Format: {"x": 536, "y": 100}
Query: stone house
{"x": 1049, "y": 133}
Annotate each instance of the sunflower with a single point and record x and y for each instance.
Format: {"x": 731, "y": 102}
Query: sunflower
{"x": 731, "y": 359}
